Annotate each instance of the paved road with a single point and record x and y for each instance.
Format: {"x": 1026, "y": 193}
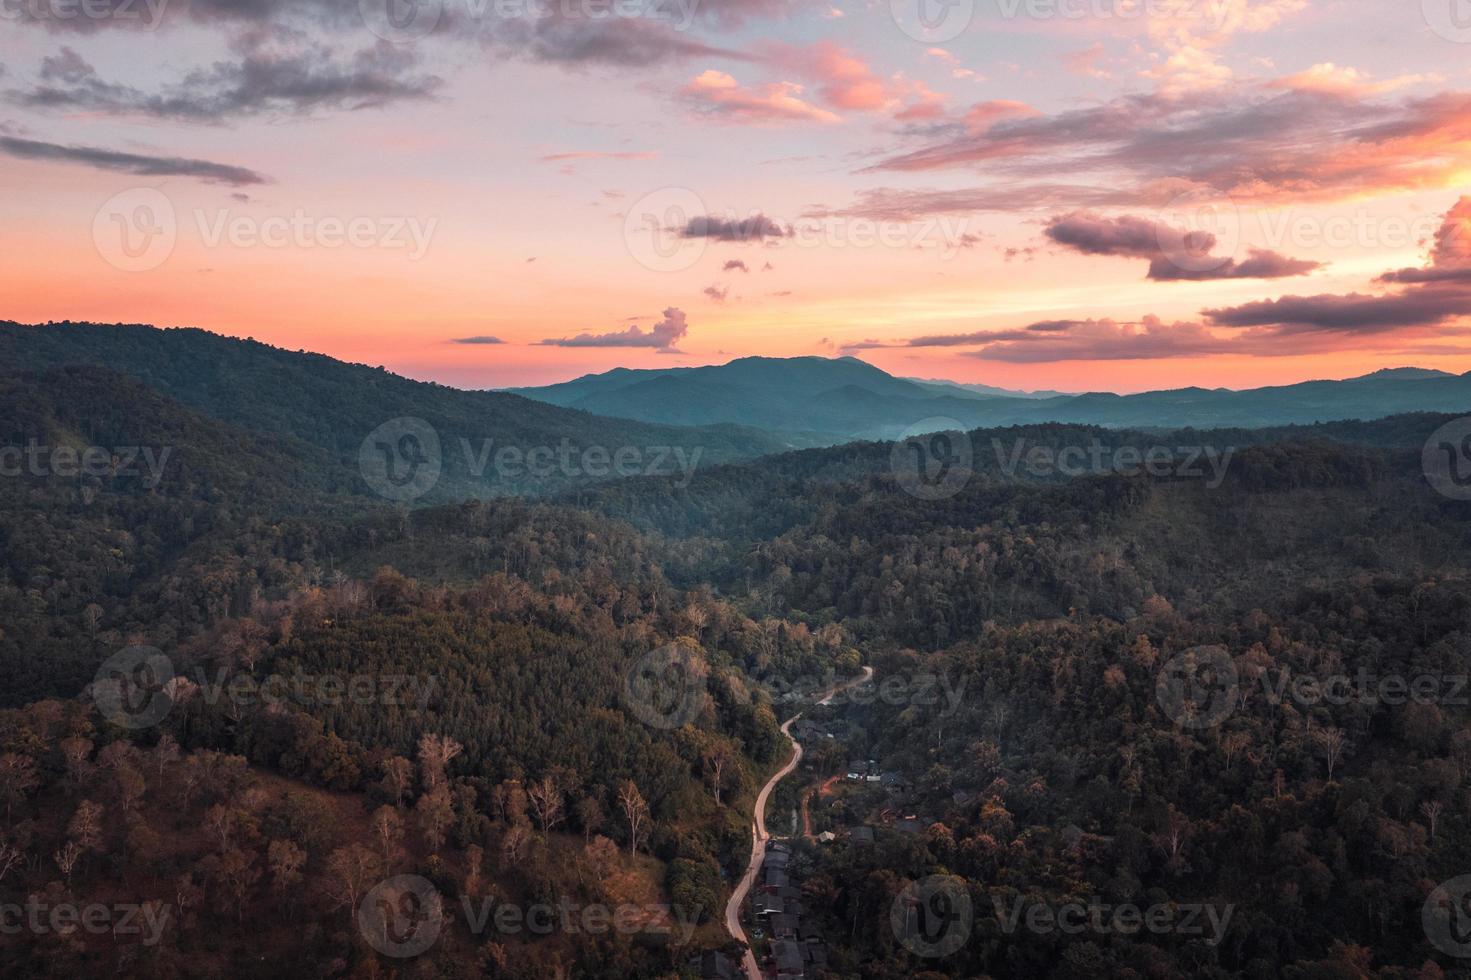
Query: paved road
{"x": 759, "y": 836}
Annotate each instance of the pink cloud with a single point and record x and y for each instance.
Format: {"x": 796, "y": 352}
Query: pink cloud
{"x": 717, "y": 94}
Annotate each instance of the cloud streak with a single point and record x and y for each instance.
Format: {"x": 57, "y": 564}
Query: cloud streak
{"x": 131, "y": 163}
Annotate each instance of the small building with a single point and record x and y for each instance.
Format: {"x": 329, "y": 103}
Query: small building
{"x": 784, "y": 926}
{"x": 827, "y": 837}
{"x": 788, "y": 957}
{"x": 716, "y": 966}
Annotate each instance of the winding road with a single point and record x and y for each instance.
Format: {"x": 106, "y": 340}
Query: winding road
{"x": 760, "y": 837}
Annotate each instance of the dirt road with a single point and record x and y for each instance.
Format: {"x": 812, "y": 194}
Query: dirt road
{"x": 759, "y": 834}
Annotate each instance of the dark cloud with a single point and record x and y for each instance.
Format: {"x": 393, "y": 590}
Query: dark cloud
{"x": 1438, "y": 293}
{"x": 735, "y": 265}
{"x": 717, "y": 293}
{"x": 754, "y": 228}
{"x": 482, "y": 339}
{"x": 662, "y": 336}
{"x": 1174, "y": 254}
{"x": 618, "y": 41}
{"x": 268, "y": 77}
{"x": 1351, "y": 313}
{"x": 131, "y": 163}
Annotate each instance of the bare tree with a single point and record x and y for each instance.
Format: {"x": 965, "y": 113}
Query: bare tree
{"x": 285, "y": 860}
{"x": 398, "y": 778}
{"x": 10, "y": 856}
{"x": 165, "y": 753}
{"x": 434, "y": 813}
{"x": 350, "y": 870}
{"x": 717, "y": 758}
{"x": 76, "y": 753}
{"x": 66, "y": 859}
{"x": 547, "y": 802}
{"x": 85, "y": 829}
{"x": 435, "y": 753}
{"x": 1432, "y": 810}
{"x": 635, "y": 811}
{"x": 1331, "y": 742}
{"x": 18, "y": 778}
{"x": 388, "y": 827}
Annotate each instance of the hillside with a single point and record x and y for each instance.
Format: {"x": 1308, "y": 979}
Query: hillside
{"x": 335, "y": 406}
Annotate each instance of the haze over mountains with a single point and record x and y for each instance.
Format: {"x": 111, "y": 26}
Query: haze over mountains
{"x": 842, "y": 399}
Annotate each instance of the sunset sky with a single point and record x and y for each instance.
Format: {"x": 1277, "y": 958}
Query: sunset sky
{"x": 1068, "y": 194}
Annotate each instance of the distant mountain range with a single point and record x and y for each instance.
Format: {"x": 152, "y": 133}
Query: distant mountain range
{"x": 813, "y": 399}
{"x": 319, "y": 411}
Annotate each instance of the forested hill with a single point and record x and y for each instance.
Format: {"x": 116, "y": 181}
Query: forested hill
{"x": 336, "y": 406}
